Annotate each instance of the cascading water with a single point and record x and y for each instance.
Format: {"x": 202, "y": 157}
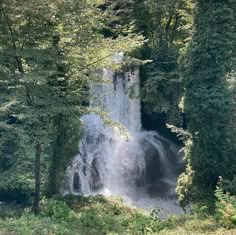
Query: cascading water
{"x": 142, "y": 170}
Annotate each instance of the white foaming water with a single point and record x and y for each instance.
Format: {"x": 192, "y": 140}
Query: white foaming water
{"x": 140, "y": 170}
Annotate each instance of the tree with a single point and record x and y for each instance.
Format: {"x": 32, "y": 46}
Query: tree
{"x": 24, "y": 52}
{"x": 49, "y": 50}
{"x": 167, "y": 26}
{"x": 168, "y": 32}
{"x": 85, "y": 50}
{"x": 208, "y": 101}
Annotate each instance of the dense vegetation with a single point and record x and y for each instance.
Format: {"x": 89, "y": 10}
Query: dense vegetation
{"x": 99, "y": 215}
{"x": 50, "y": 51}
{"x": 208, "y": 100}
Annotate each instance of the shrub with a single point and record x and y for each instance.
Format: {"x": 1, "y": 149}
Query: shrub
{"x": 225, "y": 208}
{"x": 16, "y": 187}
{"x": 55, "y": 209}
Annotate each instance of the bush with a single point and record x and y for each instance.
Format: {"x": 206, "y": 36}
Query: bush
{"x": 16, "y": 187}
{"x": 225, "y": 208}
{"x": 98, "y": 215}
{"x": 30, "y": 224}
{"x": 55, "y": 209}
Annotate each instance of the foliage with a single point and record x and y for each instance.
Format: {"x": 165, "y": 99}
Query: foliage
{"x": 166, "y": 26}
{"x": 226, "y": 208}
{"x": 48, "y": 53}
{"x": 16, "y": 181}
{"x": 11, "y": 210}
{"x": 16, "y": 187}
{"x": 96, "y": 216}
{"x": 169, "y": 30}
{"x": 229, "y": 185}
{"x": 208, "y": 102}
{"x": 99, "y": 215}
{"x": 111, "y": 216}
{"x": 55, "y": 209}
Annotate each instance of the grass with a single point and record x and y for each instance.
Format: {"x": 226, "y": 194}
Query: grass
{"x": 98, "y": 215}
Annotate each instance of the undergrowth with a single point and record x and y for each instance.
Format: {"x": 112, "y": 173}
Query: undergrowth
{"x": 99, "y": 215}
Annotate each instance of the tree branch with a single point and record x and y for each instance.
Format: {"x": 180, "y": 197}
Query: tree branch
{"x": 90, "y": 64}
{"x": 17, "y": 57}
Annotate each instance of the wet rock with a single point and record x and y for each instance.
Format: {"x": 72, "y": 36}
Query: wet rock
{"x": 95, "y": 182}
{"x": 76, "y": 183}
{"x": 162, "y": 188}
{"x": 153, "y": 169}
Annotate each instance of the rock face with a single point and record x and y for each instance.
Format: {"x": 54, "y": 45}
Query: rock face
{"x": 95, "y": 182}
{"x": 153, "y": 163}
{"x": 76, "y": 183}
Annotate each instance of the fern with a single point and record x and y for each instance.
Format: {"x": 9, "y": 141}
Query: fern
{"x": 225, "y": 207}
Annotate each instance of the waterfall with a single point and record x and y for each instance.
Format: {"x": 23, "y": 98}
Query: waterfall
{"x": 143, "y": 170}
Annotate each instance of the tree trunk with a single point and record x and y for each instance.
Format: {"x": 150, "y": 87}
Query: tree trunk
{"x": 56, "y": 158}
{"x": 38, "y": 152}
